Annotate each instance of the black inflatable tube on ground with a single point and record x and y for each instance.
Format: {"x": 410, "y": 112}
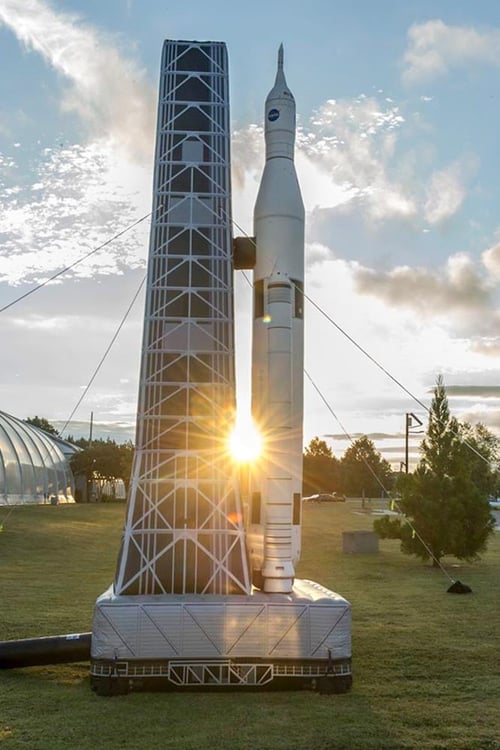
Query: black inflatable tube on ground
{"x": 54, "y": 649}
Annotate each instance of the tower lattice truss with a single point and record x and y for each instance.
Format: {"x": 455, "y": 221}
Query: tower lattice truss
{"x": 184, "y": 531}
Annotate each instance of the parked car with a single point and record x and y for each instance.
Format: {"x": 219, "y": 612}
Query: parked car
{"x": 324, "y": 497}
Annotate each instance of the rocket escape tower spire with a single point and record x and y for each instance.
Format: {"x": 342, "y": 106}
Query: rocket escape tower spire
{"x": 280, "y": 57}
{"x": 183, "y": 531}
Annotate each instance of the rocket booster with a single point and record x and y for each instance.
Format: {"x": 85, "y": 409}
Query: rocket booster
{"x": 278, "y": 343}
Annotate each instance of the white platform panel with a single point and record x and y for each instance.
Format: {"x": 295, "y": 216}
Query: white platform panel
{"x": 311, "y": 623}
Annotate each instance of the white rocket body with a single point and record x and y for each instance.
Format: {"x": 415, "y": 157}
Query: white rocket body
{"x": 278, "y": 347}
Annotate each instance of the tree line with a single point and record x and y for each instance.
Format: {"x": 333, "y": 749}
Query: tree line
{"x": 361, "y": 472}
{"x": 441, "y": 508}
{"x": 99, "y": 461}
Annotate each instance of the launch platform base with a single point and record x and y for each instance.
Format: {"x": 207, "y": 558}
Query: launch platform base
{"x": 261, "y": 641}
{"x": 119, "y": 678}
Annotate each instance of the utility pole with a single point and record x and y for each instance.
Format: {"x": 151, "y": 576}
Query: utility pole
{"x": 411, "y": 421}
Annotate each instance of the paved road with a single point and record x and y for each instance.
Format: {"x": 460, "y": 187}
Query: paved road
{"x": 496, "y": 516}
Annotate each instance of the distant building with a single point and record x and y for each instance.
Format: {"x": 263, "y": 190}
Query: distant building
{"x": 34, "y": 466}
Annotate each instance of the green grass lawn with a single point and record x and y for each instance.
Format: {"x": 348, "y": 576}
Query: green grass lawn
{"x": 426, "y": 663}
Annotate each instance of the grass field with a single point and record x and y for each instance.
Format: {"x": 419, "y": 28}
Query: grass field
{"x": 426, "y": 663}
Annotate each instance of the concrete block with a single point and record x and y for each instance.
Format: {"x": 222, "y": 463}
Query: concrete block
{"x": 359, "y": 542}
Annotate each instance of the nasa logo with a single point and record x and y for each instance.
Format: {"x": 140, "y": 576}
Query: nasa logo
{"x": 273, "y": 115}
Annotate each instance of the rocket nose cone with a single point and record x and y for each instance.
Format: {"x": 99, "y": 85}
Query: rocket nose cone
{"x": 280, "y": 115}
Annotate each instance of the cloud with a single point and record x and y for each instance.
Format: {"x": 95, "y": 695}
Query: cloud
{"x": 413, "y": 348}
{"x": 474, "y": 391}
{"x": 378, "y": 436}
{"x": 122, "y": 432}
{"x": 247, "y": 153}
{"x": 81, "y": 196}
{"x": 352, "y": 384}
{"x": 316, "y": 253}
{"x": 488, "y": 416}
{"x": 459, "y": 293}
{"x": 435, "y": 48}
{"x": 487, "y": 346}
{"x": 354, "y": 142}
{"x": 42, "y": 323}
{"x": 108, "y": 91}
{"x": 491, "y": 260}
{"x": 459, "y": 285}
{"x": 446, "y": 191}
{"x": 56, "y": 338}
{"x": 345, "y": 157}
{"x": 319, "y": 187}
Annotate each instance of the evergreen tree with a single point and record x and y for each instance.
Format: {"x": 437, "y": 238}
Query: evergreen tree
{"x": 363, "y": 470}
{"x": 320, "y": 468}
{"x": 483, "y": 444}
{"x": 42, "y": 424}
{"x": 446, "y": 497}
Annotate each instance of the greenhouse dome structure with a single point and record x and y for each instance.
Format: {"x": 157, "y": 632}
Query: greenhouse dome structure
{"x": 33, "y": 466}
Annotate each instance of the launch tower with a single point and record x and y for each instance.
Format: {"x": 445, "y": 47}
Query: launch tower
{"x": 184, "y": 530}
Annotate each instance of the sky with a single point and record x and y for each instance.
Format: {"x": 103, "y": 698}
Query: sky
{"x": 398, "y": 162}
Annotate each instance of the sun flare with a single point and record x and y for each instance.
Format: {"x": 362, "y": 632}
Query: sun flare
{"x": 245, "y": 443}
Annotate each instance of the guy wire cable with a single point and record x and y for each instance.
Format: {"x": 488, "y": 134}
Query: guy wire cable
{"x": 389, "y": 375}
{"x": 372, "y": 359}
{"x": 108, "y": 349}
{"x": 75, "y": 263}
{"x": 394, "y": 501}
{"x": 55, "y": 276}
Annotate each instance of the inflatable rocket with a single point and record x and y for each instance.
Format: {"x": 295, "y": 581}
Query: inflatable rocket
{"x": 278, "y": 348}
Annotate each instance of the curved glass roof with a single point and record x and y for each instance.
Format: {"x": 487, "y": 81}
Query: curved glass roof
{"x": 33, "y": 468}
